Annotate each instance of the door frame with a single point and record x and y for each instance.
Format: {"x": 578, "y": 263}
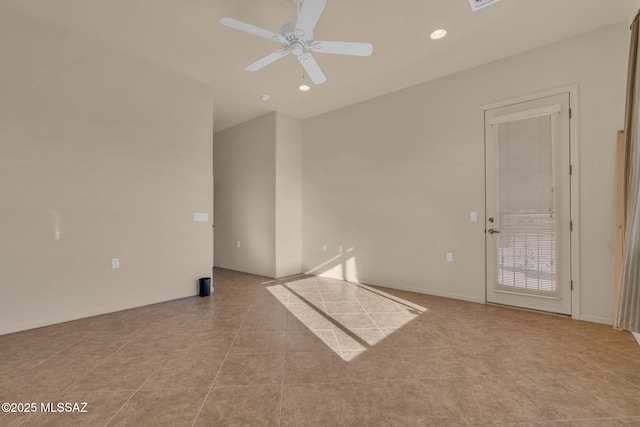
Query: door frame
{"x": 574, "y": 180}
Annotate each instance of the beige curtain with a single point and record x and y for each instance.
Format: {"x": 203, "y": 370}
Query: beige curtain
{"x": 629, "y": 307}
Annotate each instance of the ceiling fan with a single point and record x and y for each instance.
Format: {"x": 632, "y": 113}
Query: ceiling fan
{"x": 297, "y": 38}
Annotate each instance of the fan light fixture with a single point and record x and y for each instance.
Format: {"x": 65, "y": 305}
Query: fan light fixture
{"x": 304, "y": 88}
{"x": 438, "y": 34}
{"x": 296, "y": 38}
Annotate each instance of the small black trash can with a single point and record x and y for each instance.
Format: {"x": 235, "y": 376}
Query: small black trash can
{"x": 205, "y": 286}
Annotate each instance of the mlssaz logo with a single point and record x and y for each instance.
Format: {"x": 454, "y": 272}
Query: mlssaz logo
{"x": 63, "y": 407}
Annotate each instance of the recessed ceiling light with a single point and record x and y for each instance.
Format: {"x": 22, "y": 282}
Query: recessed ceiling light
{"x": 438, "y": 34}
{"x": 265, "y": 96}
{"x": 304, "y": 88}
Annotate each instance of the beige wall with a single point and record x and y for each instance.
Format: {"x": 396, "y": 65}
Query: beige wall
{"x": 394, "y": 179}
{"x": 257, "y": 168}
{"x": 244, "y": 170}
{"x": 288, "y": 196}
{"x": 101, "y": 156}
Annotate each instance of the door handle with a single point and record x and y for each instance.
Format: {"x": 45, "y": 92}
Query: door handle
{"x": 492, "y": 231}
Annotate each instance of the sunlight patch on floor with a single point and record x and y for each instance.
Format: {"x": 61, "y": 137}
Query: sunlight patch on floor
{"x": 348, "y": 318}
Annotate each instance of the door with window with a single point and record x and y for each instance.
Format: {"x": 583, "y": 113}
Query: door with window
{"x": 528, "y": 209}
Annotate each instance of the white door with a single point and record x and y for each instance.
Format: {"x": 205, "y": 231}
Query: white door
{"x": 528, "y": 214}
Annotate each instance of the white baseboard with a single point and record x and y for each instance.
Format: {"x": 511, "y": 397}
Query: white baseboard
{"x": 438, "y": 294}
{"x": 408, "y": 288}
{"x": 596, "y": 319}
{"x": 637, "y": 335}
{"x": 67, "y": 317}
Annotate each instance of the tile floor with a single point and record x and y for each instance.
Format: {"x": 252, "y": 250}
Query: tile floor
{"x": 321, "y": 352}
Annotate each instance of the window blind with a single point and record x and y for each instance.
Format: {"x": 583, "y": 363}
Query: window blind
{"x": 526, "y": 219}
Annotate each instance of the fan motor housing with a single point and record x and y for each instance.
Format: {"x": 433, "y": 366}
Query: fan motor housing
{"x": 297, "y": 41}
{"x": 288, "y": 31}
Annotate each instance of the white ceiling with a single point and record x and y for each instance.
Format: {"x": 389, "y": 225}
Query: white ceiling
{"x": 185, "y": 36}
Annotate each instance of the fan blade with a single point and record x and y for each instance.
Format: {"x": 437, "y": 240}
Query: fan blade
{"x": 312, "y": 68}
{"x": 309, "y": 15}
{"x": 263, "y": 62}
{"x": 251, "y": 29}
{"x": 343, "y": 48}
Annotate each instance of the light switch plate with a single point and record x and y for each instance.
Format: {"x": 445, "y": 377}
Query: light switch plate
{"x": 473, "y": 216}
{"x": 449, "y": 257}
{"x": 339, "y": 249}
{"x": 324, "y": 247}
{"x": 115, "y": 263}
{"x": 201, "y": 217}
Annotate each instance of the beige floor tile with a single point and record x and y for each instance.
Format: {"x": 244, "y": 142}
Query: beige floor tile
{"x": 119, "y": 373}
{"x": 342, "y": 296}
{"x": 311, "y": 340}
{"x": 297, "y": 299}
{"x": 306, "y": 308}
{"x": 489, "y": 365}
{"x": 599, "y": 357}
{"x": 330, "y": 404}
{"x": 352, "y": 321}
{"x": 360, "y": 339}
{"x": 388, "y": 306}
{"x": 434, "y": 362}
{"x": 473, "y": 400}
{"x": 607, "y": 422}
{"x": 174, "y": 325}
{"x": 541, "y": 398}
{"x": 185, "y": 370}
{"x": 15, "y": 415}
{"x": 253, "y": 341}
{"x": 392, "y": 320}
{"x": 219, "y": 324}
{"x": 412, "y": 335}
{"x": 398, "y": 403}
{"x": 252, "y": 369}
{"x": 630, "y": 375}
{"x": 214, "y": 345}
{"x": 160, "y": 408}
{"x": 268, "y": 308}
{"x": 371, "y": 295}
{"x": 343, "y": 307}
{"x": 331, "y": 286}
{"x": 511, "y": 425}
{"x": 308, "y": 321}
{"x": 143, "y": 345}
{"x": 94, "y": 346}
{"x": 305, "y": 296}
{"x": 616, "y": 396}
{"x": 100, "y": 407}
{"x": 31, "y": 347}
{"x": 265, "y": 323}
{"x": 315, "y": 367}
{"x": 376, "y": 364}
{"x": 52, "y": 375}
{"x": 413, "y": 359}
{"x": 241, "y": 406}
